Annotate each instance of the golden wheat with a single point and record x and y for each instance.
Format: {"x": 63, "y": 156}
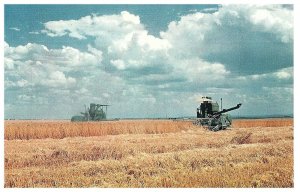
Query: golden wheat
{"x": 62, "y": 129}
{"x": 187, "y": 156}
{"x": 262, "y": 122}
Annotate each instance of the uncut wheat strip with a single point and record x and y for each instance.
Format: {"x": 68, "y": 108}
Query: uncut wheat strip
{"x": 58, "y": 130}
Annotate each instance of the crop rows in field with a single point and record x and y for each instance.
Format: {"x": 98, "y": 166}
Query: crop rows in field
{"x": 184, "y": 155}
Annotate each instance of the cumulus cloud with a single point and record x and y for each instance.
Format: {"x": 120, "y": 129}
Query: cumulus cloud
{"x": 58, "y": 79}
{"x": 67, "y": 56}
{"x": 107, "y": 27}
{"x": 26, "y": 98}
{"x": 238, "y": 52}
{"x": 247, "y": 39}
{"x": 281, "y": 75}
{"x": 123, "y": 40}
{"x": 132, "y": 53}
{"x": 34, "y": 64}
{"x": 38, "y": 76}
{"x": 273, "y": 19}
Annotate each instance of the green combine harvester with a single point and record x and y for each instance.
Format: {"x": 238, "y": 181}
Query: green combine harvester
{"x": 209, "y": 116}
{"x": 94, "y": 113}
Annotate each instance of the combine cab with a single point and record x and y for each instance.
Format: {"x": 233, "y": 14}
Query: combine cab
{"x": 94, "y": 113}
{"x": 208, "y": 115}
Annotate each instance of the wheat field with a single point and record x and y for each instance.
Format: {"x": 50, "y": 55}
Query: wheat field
{"x": 148, "y": 153}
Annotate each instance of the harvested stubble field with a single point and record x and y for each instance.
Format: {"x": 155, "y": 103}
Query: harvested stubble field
{"x": 148, "y": 153}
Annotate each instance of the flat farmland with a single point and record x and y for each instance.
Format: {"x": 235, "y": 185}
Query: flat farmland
{"x": 148, "y": 153}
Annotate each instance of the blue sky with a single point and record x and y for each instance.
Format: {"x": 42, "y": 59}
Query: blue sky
{"x": 147, "y": 60}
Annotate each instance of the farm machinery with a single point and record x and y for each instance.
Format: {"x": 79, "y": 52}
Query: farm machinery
{"x": 209, "y": 116}
{"x": 93, "y": 113}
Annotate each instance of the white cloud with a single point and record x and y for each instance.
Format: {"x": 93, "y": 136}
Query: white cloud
{"x": 37, "y": 65}
{"x": 275, "y": 90}
{"x": 5, "y": 45}
{"x": 207, "y": 10}
{"x": 285, "y": 73}
{"x": 58, "y": 79}
{"x": 121, "y": 38}
{"x": 15, "y": 29}
{"x": 238, "y": 52}
{"x": 119, "y": 64}
{"x": 202, "y": 71}
{"x": 82, "y": 91}
{"x": 103, "y": 26}
{"x": 9, "y": 64}
{"x": 273, "y": 19}
{"x": 106, "y": 95}
{"x": 34, "y": 32}
{"x": 67, "y": 56}
{"x": 138, "y": 41}
{"x": 22, "y": 83}
{"x": 26, "y": 98}
{"x": 198, "y": 48}
{"x": 282, "y": 74}
{"x": 95, "y": 52}
{"x": 232, "y": 34}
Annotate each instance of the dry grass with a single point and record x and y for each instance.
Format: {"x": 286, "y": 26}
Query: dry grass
{"x": 187, "y": 156}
